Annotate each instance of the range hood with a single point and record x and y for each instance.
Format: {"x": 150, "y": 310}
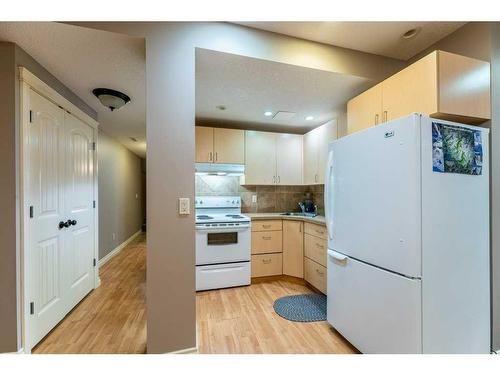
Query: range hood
{"x": 220, "y": 169}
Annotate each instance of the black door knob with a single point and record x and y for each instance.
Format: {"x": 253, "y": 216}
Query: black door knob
{"x": 72, "y": 222}
{"x": 63, "y": 224}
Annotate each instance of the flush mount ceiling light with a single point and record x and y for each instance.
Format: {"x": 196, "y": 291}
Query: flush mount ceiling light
{"x": 268, "y": 113}
{"x": 411, "y": 33}
{"x": 111, "y": 98}
{"x": 309, "y": 118}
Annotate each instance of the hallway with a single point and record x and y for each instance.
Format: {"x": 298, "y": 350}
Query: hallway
{"x": 112, "y": 318}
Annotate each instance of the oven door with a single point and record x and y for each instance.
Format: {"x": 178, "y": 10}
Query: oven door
{"x": 222, "y": 245}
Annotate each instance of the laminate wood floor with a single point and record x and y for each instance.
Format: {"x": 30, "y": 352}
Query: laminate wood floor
{"x": 112, "y": 318}
{"x": 242, "y": 320}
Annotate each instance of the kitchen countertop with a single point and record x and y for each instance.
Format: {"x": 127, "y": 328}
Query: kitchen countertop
{"x": 277, "y": 216}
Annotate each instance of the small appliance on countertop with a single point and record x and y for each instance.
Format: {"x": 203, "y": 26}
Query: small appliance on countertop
{"x": 308, "y": 207}
{"x": 223, "y": 241}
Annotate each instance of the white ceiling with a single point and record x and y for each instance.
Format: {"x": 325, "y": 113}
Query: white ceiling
{"x": 84, "y": 59}
{"x": 380, "y": 38}
{"x": 248, "y": 87}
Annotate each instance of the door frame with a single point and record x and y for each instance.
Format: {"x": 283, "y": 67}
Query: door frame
{"x": 28, "y": 81}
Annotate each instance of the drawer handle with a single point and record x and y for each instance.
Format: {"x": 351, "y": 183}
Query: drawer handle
{"x": 266, "y": 237}
{"x": 266, "y": 225}
{"x": 319, "y": 272}
{"x": 319, "y": 245}
{"x": 266, "y": 261}
{"x": 320, "y": 231}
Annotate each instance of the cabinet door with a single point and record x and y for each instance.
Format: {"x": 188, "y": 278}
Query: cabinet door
{"x": 293, "y": 249}
{"x": 310, "y": 142}
{"x": 229, "y": 146}
{"x": 326, "y": 134}
{"x": 414, "y": 89}
{"x": 289, "y": 159}
{"x": 365, "y": 110}
{"x": 260, "y": 158}
{"x": 204, "y": 141}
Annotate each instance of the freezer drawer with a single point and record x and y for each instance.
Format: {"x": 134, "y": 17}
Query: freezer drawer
{"x": 217, "y": 276}
{"x": 376, "y": 310}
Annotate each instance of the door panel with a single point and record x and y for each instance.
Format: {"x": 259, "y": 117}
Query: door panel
{"x": 360, "y": 295}
{"x": 327, "y": 134}
{"x": 365, "y": 110}
{"x": 310, "y": 145}
{"x": 204, "y": 141}
{"x": 229, "y": 146}
{"x": 79, "y": 207}
{"x": 44, "y": 249}
{"x": 289, "y": 159}
{"x": 260, "y": 158}
{"x": 293, "y": 249}
{"x": 376, "y": 196}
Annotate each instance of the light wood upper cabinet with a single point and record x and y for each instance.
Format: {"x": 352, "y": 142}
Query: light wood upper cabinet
{"x": 273, "y": 159}
{"x": 260, "y": 158}
{"x": 293, "y": 249}
{"x": 442, "y": 85}
{"x": 229, "y": 146}
{"x": 411, "y": 90}
{"x": 316, "y": 152}
{"x": 204, "y": 144}
{"x": 288, "y": 159}
{"x": 365, "y": 110}
{"x": 218, "y": 145}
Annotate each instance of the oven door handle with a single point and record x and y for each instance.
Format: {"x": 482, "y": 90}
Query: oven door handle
{"x": 223, "y": 229}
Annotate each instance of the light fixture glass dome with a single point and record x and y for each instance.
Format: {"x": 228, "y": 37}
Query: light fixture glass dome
{"x": 111, "y": 98}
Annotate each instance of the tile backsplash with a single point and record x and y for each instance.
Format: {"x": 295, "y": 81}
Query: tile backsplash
{"x": 271, "y": 198}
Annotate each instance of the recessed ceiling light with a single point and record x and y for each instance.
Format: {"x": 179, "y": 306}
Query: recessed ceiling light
{"x": 309, "y": 118}
{"x": 411, "y": 33}
{"x": 221, "y": 107}
{"x": 268, "y": 113}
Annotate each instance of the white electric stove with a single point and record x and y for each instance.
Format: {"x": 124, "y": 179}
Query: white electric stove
{"x": 223, "y": 240}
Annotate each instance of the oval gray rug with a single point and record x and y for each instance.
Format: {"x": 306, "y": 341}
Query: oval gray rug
{"x": 302, "y": 307}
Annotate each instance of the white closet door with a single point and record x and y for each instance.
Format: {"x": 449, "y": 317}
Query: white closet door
{"x": 289, "y": 159}
{"x": 79, "y": 209}
{"x": 44, "y": 251}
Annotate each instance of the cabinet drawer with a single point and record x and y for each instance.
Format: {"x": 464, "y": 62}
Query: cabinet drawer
{"x": 267, "y": 265}
{"x": 315, "y": 249}
{"x": 316, "y": 230}
{"x": 315, "y": 274}
{"x": 267, "y": 242}
{"x": 266, "y": 225}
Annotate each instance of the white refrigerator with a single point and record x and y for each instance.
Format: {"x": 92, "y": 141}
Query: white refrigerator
{"x": 407, "y": 211}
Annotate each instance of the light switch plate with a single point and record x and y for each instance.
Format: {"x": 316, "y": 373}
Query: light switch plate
{"x": 254, "y": 198}
{"x": 184, "y": 206}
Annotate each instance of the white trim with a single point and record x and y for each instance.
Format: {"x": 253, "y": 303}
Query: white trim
{"x": 119, "y": 248}
{"x": 42, "y": 88}
{"x": 193, "y": 350}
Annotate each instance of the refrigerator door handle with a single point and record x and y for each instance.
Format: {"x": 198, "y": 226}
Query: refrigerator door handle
{"x": 328, "y": 193}
{"x": 337, "y": 256}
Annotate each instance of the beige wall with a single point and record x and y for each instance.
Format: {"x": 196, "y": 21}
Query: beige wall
{"x": 8, "y": 217}
{"x": 170, "y": 63}
{"x": 120, "y": 193}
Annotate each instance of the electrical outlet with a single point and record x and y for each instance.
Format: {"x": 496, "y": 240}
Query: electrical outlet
{"x": 183, "y": 206}
{"x": 136, "y": 196}
{"x": 254, "y": 198}
{"x": 113, "y": 236}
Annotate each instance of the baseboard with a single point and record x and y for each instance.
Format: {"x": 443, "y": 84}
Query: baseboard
{"x": 117, "y": 249}
{"x": 193, "y": 350}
